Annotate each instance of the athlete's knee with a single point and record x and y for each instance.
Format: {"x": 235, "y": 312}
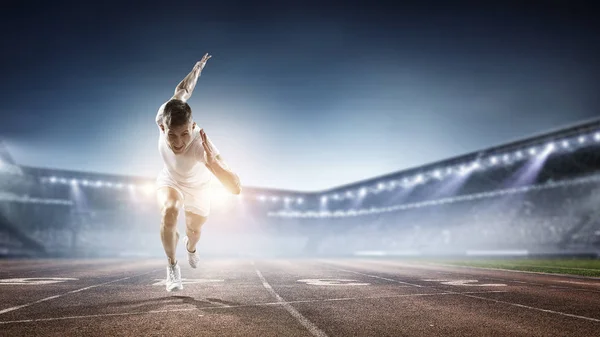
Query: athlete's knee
{"x": 169, "y": 213}
{"x": 194, "y": 222}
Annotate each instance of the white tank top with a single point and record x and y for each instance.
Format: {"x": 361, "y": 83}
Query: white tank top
{"x": 187, "y": 168}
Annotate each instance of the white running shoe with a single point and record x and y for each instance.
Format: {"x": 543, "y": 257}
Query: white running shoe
{"x": 193, "y": 258}
{"x": 174, "y": 277}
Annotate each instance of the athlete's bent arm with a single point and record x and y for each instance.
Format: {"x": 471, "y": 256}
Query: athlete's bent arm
{"x": 228, "y": 178}
{"x": 184, "y": 89}
{"x": 217, "y": 166}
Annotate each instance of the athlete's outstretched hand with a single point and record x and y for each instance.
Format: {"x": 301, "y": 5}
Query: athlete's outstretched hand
{"x": 200, "y": 64}
{"x": 210, "y": 155}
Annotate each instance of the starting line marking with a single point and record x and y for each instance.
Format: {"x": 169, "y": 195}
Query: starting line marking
{"x": 35, "y": 281}
{"x": 3, "y": 311}
{"x": 162, "y": 282}
{"x": 241, "y": 306}
{"x": 332, "y": 282}
{"x": 467, "y": 283}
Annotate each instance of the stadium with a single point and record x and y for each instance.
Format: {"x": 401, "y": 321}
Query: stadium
{"x": 502, "y": 241}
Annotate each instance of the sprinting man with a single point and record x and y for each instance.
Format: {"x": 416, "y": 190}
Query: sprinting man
{"x": 190, "y": 160}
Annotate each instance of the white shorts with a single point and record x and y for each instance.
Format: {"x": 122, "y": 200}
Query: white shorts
{"x": 196, "y": 199}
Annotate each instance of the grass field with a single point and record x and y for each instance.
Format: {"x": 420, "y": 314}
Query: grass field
{"x": 582, "y": 267}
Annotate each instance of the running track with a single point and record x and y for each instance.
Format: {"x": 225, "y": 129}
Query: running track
{"x": 325, "y": 297}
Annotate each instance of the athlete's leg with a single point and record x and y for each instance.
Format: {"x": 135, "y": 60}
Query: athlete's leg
{"x": 193, "y": 226}
{"x": 169, "y": 201}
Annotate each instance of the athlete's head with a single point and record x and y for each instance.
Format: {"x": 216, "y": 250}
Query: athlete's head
{"x": 177, "y": 124}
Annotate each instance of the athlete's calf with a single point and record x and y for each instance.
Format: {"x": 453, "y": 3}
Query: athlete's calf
{"x": 193, "y": 229}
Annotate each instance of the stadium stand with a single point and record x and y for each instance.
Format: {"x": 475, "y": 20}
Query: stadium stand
{"x": 537, "y": 195}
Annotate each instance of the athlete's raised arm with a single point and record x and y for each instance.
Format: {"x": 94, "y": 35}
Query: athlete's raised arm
{"x": 184, "y": 89}
{"x": 217, "y": 166}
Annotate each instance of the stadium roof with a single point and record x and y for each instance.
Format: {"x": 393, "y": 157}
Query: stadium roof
{"x": 591, "y": 125}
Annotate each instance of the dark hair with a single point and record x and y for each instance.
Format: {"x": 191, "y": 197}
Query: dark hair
{"x": 176, "y": 113}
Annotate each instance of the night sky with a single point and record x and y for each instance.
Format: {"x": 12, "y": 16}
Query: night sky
{"x": 305, "y": 95}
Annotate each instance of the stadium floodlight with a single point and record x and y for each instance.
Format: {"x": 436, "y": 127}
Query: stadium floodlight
{"x": 262, "y": 198}
{"x": 419, "y": 178}
{"x": 286, "y": 200}
{"x": 362, "y": 192}
{"x": 449, "y": 170}
{"x": 84, "y": 183}
{"x": 597, "y": 136}
{"x": 532, "y": 151}
{"x": 475, "y": 165}
{"x": 324, "y": 199}
{"x": 380, "y": 186}
{"x": 63, "y": 180}
{"x": 109, "y": 184}
{"x": 565, "y": 144}
{"x": 519, "y": 154}
{"x": 299, "y": 201}
{"x": 550, "y": 147}
{"x": 581, "y": 139}
{"x": 131, "y": 187}
{"x": 99, "y": 183}
{"x": 437, "y": 174}
{"x": 506, "y": 157}
{"x": 349, "y": 194}
{"x": 336, "y": 196}
{"x": 73, "y": 182}
{"x": 53, "y": 180}
{"x": 274, "y": 198}
{"x": 493, "y": 160}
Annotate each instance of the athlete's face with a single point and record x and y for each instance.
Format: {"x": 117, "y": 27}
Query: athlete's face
{"x": 179, "y": 137}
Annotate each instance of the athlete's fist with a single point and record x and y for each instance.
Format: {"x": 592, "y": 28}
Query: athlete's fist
{"x": 200, "y": 64}
{"x": 210, "y": 154}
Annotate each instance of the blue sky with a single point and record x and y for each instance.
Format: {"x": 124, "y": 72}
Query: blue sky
{"x": 301, "y": 96}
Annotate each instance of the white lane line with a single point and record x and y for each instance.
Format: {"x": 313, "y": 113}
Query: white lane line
{"x": 516, "y": 271}
{"x": 96, "y": 316}
{"x": 3, "y": 311}
{"x": 534, "y": 308}
{"x": 378, "y": 277}
{"x": 567, "y": 268}
{"x": 547, "y": 285}
{"x": 239, "y": 306}
{"x": 509, "y": 303}
{"x": 584, "y": 283}
{"x": 384, "y": 297}
{"x": 552, "y": 286}
{"x": 388, "y": 263}
{"x": 288, "y": 307}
